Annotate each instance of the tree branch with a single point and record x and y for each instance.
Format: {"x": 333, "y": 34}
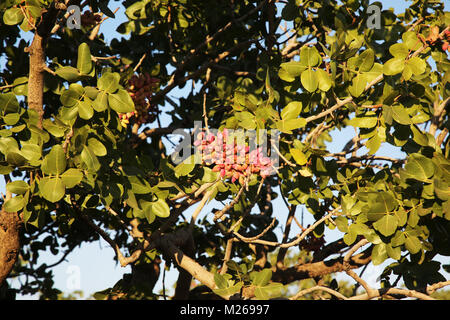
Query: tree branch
{"x": 316, "y": 288}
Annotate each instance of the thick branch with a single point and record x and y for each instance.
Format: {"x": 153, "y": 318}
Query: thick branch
{"x": 321, "y": 268}
{"x": 9, "y": 240}
{"x": 36, "y": 77}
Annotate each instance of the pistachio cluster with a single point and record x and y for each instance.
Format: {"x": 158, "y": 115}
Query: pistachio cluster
{"x": 89, "y": 19}
{"x": 141, "y": 88}
{"x": 232, "y": 161}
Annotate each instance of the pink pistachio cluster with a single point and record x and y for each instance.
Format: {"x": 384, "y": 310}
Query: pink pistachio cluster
{"x": 231, "y": 160}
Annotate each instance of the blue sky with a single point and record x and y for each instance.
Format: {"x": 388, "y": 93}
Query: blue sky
{"x": 95, "y": 261}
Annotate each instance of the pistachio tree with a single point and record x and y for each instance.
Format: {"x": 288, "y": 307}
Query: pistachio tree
{"x": 86, "y": 126}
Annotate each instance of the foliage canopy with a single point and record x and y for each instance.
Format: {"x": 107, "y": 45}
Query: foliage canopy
{"x": 82, "y": 152}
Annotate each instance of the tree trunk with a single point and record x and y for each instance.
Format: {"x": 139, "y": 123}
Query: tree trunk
{"x": 9, "y": 242}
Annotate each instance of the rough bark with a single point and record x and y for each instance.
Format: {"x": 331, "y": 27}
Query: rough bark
{"x": 9, "y": 241}
{"x": 321, "y": 268}
{"x": 36, "y": 77}
{"x": 185, "y": 278}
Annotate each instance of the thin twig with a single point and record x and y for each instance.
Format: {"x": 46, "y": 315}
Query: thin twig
{"x": 227, "y": 257}
{"x": 321, "y": 288}
{"x": 140, "y": 62}
{"x": 252, "y": 239}
{"x": 295, "y": 242}
{"x": 218, "y": 215}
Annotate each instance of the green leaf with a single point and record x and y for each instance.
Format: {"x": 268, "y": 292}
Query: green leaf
{"x": 382, "y": 202}
{"x": 366, "y": 122}
{"x": 379, "y": 253}
{"x": 34, "y": 8}
{"x": 266, "y": 292}
{"x": 342, "y": 223}
{"x": 17, "y": 187}
{"x": 121, "y": 101}
{"x": 71, "y": 96}
{"x": 413, "y": 244}
{"x": 101, "y": 101}
{"x": 220, "y": 281}
{"x": 53, "y": 129}
{"x": 269, "y": 88}
{"x": 292, "y": 110}
{"x": 109, "y": 82}
{"x": 84, "y": 62}
{"x": 97, "y": 147}
{"x": 229, "y": 291}
{"x": 349, "y": 238}
{"x": 309, "y": 80}
{"x": 139, "y": 186}
{"x": 69, "y": 114}
{"x": 85, "y": 109}
{"x": 419, "y": 167}
{"x": 401, "y": 216}
{"x": 394, "y": 253}
{"x": 400, "y": 115}
{"x": 90, "y": 159}
{"x": 262, "y": 277}
{"x": 11, "y": 118}
{"x": 365, "y": 60}
{"x": 15, "y": 158}
{"x": 13, "y": 16}
{"x": 20, "y": 86}
{"x": 68, "y": 73}
{"x": 398, "y": 239}
{"x": 52, "y": 189}
{"x": 375, "y": 72}
{"x": 418, "y": 136}
{"x": 399, "y": 50}
{"x": 411, "y": 40}
{"x": 72, "y": 177}
{"x": 232, "y": 265}
{"x": 14, "y": 204}
{"x": 287, "y": 125}
{"x": 91, "y": 92}
{"x": 413, "y": 218}
{"x": 299, "y": 157}
{"x": 442, "y": 190}
{"x": 324, "y": 80}
{"x": 417, "y": 65}
{"x": 9, "y": 103}
{"x": 309, "y": 56}
{"x": 185, "y": 167}
{"x": 394, "y": 66}
{"x": 374, "y": 143}
{"x": 407, "y": 72}
{"x": 386, "y": 225}
{"x": 285, "y": 76}
{"x": 160, "y": 208}
{"x": 358, "y": 85}
{"x": 31, "y": 152}
{"x": 147, "y": 209}
{"x": 55, "y": 161}
{"x": 293, "y": 68}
